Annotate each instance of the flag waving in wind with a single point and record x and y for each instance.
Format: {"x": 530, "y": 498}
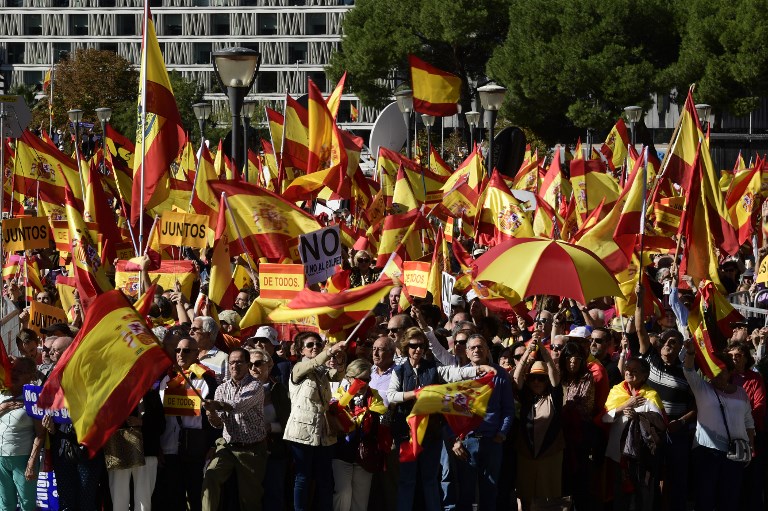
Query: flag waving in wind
{"x": 159, "y": 134}
{"x": 435, "y": 92}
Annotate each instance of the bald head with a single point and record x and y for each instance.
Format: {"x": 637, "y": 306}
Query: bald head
{"x": 59, "y": 346}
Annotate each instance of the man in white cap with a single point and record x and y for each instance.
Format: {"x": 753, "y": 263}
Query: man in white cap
{"x": 266, "y": 339}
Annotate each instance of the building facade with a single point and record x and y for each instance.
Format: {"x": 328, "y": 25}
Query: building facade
{"x": 295, "y": 38}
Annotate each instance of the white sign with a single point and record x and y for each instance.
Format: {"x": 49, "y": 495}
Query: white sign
{"x": 447, "y": 291}
{"x": 320, "y": 252}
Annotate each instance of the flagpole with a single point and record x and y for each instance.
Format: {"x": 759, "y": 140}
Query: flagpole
{"x": 151, "y": 232}
{"x": 645, "y": 206}
{"x": 239, "y": 237}
{"x": 50, "y": 99}
{"x": 143, "y": 85}
{"x": 197, "y": 172}
{"x": 281, "y": 166}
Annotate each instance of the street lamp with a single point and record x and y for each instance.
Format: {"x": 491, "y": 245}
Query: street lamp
{"x": 202, "y": 113}
{"x": 429, "y": 121}
{"x": 104, "y": 114}
{"x": 703, "y": 110}
{"x": 249, "y": 108}
{"x": 236, "y": 70}
{"x": 405, "y": 104}
{"x": 491, "y": 98}
{"x": 76, "y": 116}
{"x": 473, "y": 119}
{"x": 633, "y": 113}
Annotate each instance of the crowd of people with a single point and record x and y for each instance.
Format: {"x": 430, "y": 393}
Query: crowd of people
{"x": 588, "y": 410}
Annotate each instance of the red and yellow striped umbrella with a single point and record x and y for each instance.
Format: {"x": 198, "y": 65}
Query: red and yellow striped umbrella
{"x": 540, "y": 266}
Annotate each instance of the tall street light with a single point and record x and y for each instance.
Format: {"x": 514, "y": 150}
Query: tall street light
{"x": 633, "y": 113}
{"x": 249, "y": 108}
{"x": 491, "y": 98}
{"x": 429, "y": 121}
{"x": 104, "y": 114}
{"x": 703, "y": 110}
{"x": 405, "y": 104}
{"x": 236, "y": 70}
{"x": 473, "y": 119}
{"x": 76, "y": 116}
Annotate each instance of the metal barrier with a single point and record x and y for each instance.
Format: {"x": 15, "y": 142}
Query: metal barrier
{"x": 752, "y": 312}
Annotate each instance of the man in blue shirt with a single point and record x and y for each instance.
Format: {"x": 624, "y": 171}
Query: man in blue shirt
{"x": 479, "y": 453}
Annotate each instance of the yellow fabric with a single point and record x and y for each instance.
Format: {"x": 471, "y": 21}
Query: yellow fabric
{"x": 619, "y": 394}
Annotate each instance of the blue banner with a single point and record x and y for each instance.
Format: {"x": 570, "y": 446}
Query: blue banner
{"x": 31, "y": 393}
{"x": 47, "y": 493}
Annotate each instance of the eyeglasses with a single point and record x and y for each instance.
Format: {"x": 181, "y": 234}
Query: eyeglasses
{"x": 517, "y": 357}
{"x": 363, "y": 260}
{"x": 194, "y": 329}
{"x": 461, "y": 343}
{"x": 538, "y": 377}
{"x": 556, "y": 347}
{"x": 237, "y": 362}
{"x": 183, "y": 350}
{"x": 311, "y": 345}
{"x": 394, "y": 330}
{"x": 44, "y": 349}
{"x": 475, "y": 347}
{"x": 598, "y": 340}
{"x": 417, "y": 346}
{"x": 258, "y": 363}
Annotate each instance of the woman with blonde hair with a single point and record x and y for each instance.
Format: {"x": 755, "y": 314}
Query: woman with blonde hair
{"x": 363, "y": 272}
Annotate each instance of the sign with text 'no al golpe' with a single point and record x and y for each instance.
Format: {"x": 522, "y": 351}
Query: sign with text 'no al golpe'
{"x": 320, "y": 252}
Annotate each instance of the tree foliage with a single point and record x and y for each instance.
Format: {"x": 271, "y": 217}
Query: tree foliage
{"x": 577, "y": 63}
{"x": 455, "y": 35}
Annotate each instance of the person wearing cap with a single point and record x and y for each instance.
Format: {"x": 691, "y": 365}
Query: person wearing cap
{"x": 266, "y": 339}
{"x": 582, "y": 336}
{"x": 479, "y": 452}
{"x": 230, "y": 328}
{"x": 57, "y": 329}
{"x": 458, "y": 304}
{"x": 540, "y": 455}
{"x": 351, "y": 475}
{"x": 729, "y": 274}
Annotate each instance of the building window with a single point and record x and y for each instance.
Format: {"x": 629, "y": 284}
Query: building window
{"x": 107, "y": 3}
{"x": 202, "y": 53}
{"x": 15, "y": 53}
{"x": 201, "y": 3}
{"x": 14, "y": 3}
{"x": 266, "y": 82}
{"x": 108, "y": 47}
{"x": 60, "y": 3}
{"x": 220, "y": 24}
{"x": 267, "y": 24}
{"x": 316, "y": 24}
{"x": 172, "y": 24}
{"x": 61, "y": 48}
{"x": 297, "y": 52}
{"x": 78, "y": 24}
{"x": 125, "y": 24}
{"x": 33, "y": 78}
{"x": 319, "y": 78}
{"x": 297, "y": 2}
{"x": 33, "y": 24}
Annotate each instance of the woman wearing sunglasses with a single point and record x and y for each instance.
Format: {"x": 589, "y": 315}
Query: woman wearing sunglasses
{"x": 540, "y": 443}
{"x": 308, "y": 430}
{"x": 363, "y": 272}
{"x": 415, "y": 372}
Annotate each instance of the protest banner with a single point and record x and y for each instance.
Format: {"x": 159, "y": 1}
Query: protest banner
{"x": 125, "y": 250}
{"x": 42, "y": 315}
{"x": 183, "y": 229}
{"x": 415, "y": 277}
{"x": 169, "y": 272}
{"x": 60, "y": 235}
{"x": 181, "y": 401}
{"x": 31, "y": 393}
{"x": 447, "y": 291}
{"x": 320, "y": 252}
{"x": 47, "y": 493}
{"x": 281, "y": 280}
{"x": 26, "y": 233}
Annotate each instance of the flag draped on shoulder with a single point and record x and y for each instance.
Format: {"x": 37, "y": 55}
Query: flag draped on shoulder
{"x": 435, "y": 92}
{"x": 163, "y": 136}
{"x": 462, "y": 404}
{"x": 104, "y": 373}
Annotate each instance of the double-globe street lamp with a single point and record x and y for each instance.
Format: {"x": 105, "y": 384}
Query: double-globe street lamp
{"x": 405, "y": 105}
{"x": 491, "y": 98}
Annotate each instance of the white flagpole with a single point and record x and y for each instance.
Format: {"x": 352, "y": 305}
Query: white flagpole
{"x": 50, "y": 98}
{"x": 143, "y": 122}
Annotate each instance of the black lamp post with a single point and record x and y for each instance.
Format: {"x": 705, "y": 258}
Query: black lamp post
{"x": 473, "y": 119}
{"x": 405, "y": 104}
{"x": 236, "y": 70}
{"x": 104, "y": 114}
{"x": 76, "y": 116}
{"x": 491, "y": 98}
{"x": 633, "y": 113}
{"x": 703, "y": 110}
{"x": 249, "y": 108}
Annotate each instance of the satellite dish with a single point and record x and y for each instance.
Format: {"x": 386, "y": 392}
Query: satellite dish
{"x": 388, "y": 131}
{"x": 509, "y": 150}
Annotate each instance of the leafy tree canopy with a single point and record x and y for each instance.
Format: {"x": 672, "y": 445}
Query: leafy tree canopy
{"x": 455, "y": 35}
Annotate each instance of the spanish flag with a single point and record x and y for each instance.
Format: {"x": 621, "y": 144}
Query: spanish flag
{"x": 435, "y": 92}
{"x": 501, "y": 217}
{"x": 204, "y": 202}
{"x": 462, "y": 404}
{"x": 105, "y": 372}
{"x": 397, "y": 233}
{"x": 334, "y": 100}
{"x": 295, "y": 149}
{"x": 354, "y": 114}
{"x": 743, "y": 201}
{"x": 163, "y": 135}
{"x": 334, "y": 311}
{"x": 591, "y": 185}
{"x": 403, "y": 198}
{"x": 710, "y": 321}
{"x": 324, "y": 151}
{"x": 221, "y": 289}
{"x": 614, "y": 148}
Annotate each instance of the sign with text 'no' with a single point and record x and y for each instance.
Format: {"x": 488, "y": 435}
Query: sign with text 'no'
{"x": 320, "y": 252}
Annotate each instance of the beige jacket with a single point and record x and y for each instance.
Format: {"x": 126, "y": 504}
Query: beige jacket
{"x": 310, "y": 392}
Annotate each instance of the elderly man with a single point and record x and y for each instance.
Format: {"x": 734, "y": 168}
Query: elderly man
{"x": 204, "y": 330}
{"x": 242, "y": 302}
{"x": 266, "y": 339}
{"x": 479, "y": 453}
{"x": 396, "y": 328}
{"x": 394, "y": 301}
{"x": 239, "y": 410}
{"x": 187, "y": 437}
{"x": 556, "y": 346}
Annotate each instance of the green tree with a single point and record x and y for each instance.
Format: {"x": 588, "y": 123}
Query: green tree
{"x": 574, "y": 64}
{"x": 724, "y": 52}
{"x": 455, "y": 35}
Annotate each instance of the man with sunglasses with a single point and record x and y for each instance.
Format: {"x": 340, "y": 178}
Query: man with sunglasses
{"x": 556, "y": 346}
{"x": 188, "y": 434}
{"x": 266, "y": 339}
{"x": 395, "y": 330}
{"x": 601, "y": 348}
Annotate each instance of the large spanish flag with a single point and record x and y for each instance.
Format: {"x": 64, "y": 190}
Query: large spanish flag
{"x": 163, "y": 135}
{"x": 501, "y": 217}
{"x": 221, "y": 288}
{"x": 615, "y": 147}
{"x": 104, "y": 373}
{"x": 435, "y": 92}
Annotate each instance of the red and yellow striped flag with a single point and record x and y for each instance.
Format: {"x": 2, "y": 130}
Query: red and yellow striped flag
{"x": 334, "y": 100}
{"x": 435, "y": 92}
{"x": 501, "y": 217}
{"x": 5, "y": 367}
{"x": 163, "y": 135}
{"x": 104, "y": 373}
{"x": 221, "y": 288}
{"x": 615, "y": 146}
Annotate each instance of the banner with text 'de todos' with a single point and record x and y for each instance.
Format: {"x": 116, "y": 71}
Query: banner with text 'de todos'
{"x": 281, "y": 281}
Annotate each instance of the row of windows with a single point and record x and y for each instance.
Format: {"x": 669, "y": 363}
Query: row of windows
{"x": 171, "y": 24}
{"x": 201, "y": 52}
{"x": 196, "y": 3}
